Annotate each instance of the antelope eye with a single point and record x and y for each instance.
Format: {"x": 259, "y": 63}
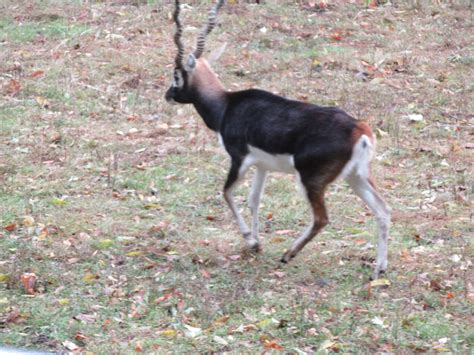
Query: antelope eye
{"x": 178, "y": 79}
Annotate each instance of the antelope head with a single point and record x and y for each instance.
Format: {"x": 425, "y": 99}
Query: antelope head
{"x": 193, "y": 79}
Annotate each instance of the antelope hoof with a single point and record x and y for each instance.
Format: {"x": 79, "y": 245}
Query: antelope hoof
{"x": 256, "y": 248}
{"x": 286, "y": 257}
{"x": 377, "y": 273}
{"x": 252, "y": 243}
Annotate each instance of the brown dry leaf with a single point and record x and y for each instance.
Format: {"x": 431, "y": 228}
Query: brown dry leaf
{"x": 270, "y": 344}
{"x": 106, "y": 324}
{"x": 277, "y": 240}
{"x": 450, "y": 295}
{"x": 37, "y": 73}
{"x": 206, "y": 274}
{"x": 10, "y": 227}
{"x": 28, "y": 221}
{"x": 222, "y": 320}
{"x": 55, "y": 138}
{"x": 337, "y": 36}
{"x": 373, "y": 4}
{"x": 28, "y": 279}
{"x": 85, "y": 318}
{"x": 80, "y": 337}
{"x": 250, "y": 327}
{"x": 13, "y": 317}
{"x": 138, "y": 347}
{"x": 163, "y": 298}
{"x": 42, "y": 102}
{"x": 13, "y": 87}
{"x": 435, "y": 285}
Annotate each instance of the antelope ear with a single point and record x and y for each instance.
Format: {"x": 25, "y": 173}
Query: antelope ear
{"x": 216, "y": 54}
{"x": 191, "y": 63}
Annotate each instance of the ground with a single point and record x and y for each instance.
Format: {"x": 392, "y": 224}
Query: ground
{"x": 112, "y": 198}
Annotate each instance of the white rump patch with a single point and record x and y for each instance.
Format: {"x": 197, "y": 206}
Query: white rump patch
{"x": 361, "y": 156}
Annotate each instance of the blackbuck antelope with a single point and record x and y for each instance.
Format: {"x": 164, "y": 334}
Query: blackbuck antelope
{"x": 272, "y": 133}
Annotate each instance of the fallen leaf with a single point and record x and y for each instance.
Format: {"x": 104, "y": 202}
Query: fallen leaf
{"x": 279, "y": 274}
{"x": 373, "y": 4}
{"x": 284, "y": 232}
{"x": 28, "y": 221}
{"x": 163, "y": 298}
{"x": 85, "y": 318}
{"x": 169, "y": 333}
{"x": 415, "y": 117}
{"x": 13, "y": 87}
{"x": 264, "y": 323}
{"x": 380, "y": 282}
{"x": 10, "y": 227}
{"x": 134, "y": 253}
{"x": 435, "y": 285}
{"x": 234, "y": 257}
{"x": 28, "y": 279}
{"x": 90, "y": 277}
{"x": 138, "y": 347}
{"x": 192, "y": 332}
{"x": 273, "y": 345}
{"x": 70, "y": 345}
{"x": 220, "y": 340}
{"x": 277, "y": 240}
{"x": 80, "y": 337}
{"x": 42, "y": 102}
{"x": 205, "y": 274}
{"x": 58, "y": 202}
{"x": 64, "y": 301}
{"x": 37, "y": 73}
{"x": 152, "y": 206}
{"x": 378, "y": 321}
{"x": 13, "y": 317}
{"x": 222, "y": 320}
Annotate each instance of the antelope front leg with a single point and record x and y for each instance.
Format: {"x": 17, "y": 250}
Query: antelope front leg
{"x": 236, "y": 173}
{"x": 254, "y": 201}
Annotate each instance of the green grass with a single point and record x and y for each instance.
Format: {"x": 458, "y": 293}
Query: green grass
{"x": 50, "y": 30}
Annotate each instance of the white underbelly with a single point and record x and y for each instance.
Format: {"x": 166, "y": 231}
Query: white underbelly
{"x": 271, "y": 162}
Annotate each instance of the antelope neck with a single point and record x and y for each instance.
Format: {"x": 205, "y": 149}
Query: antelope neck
{"x": 211, "y": 98}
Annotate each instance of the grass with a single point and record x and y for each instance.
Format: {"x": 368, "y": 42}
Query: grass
{"x": 112, "y": 198}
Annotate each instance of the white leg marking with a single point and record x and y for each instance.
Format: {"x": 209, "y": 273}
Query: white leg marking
{"x": 229, "y": 198}
{"x": 369, "y": 195}
{"x": 255, "y": 197}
